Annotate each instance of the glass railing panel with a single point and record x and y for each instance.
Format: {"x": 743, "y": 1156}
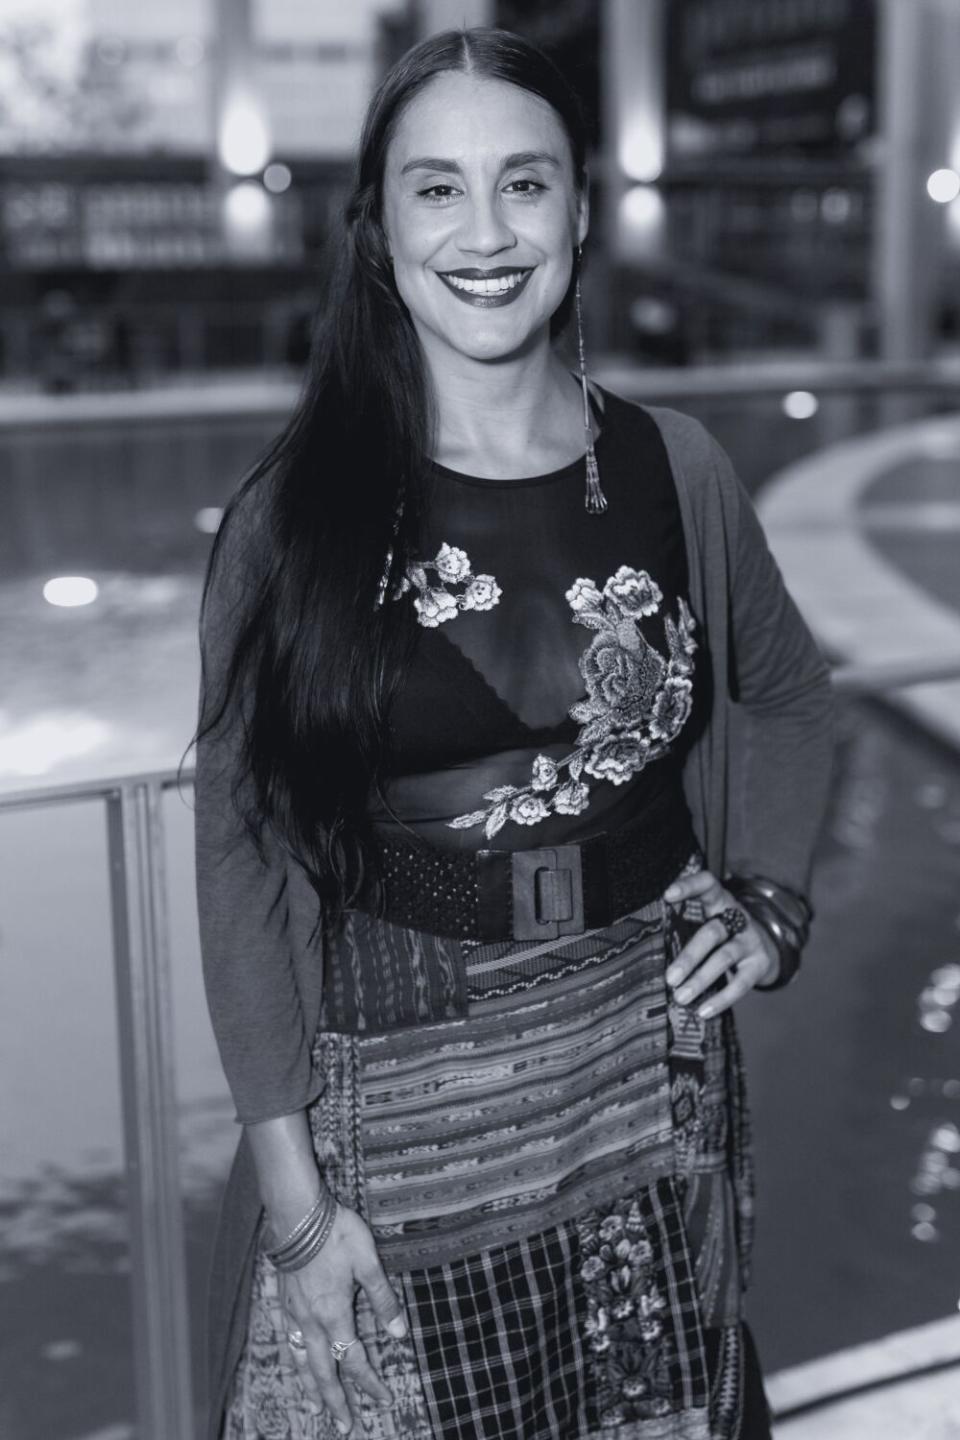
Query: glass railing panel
{"x": 66, "y": 1366}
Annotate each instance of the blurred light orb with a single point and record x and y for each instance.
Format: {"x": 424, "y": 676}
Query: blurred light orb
{"x": 277, "y": 177}
{"x": 641, "y": 153}
{"x": 652, "y": 316}
{"x": 923, "y": 1212}
{"x": 943, "y": 186}
{"x": 70, "y": 590}
{"x": 951, "y": 1088}
{"x": 207, "y": 520}
{"x": 899, "y": 1102}
{"x": 642, "y": 206}
{"x": 800, "y": 404}
{"x": 247, "y": 206}
{"x": 936, "y": 1021}
{"x": 947, "y": 1137}
{"x": 836, "y": 206}
{"x": 244, "y": 143}
{"x": 923, "y": 1230}
{"x": 947, "y": 975}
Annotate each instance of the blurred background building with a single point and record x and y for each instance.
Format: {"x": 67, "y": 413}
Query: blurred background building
{"x": 779, "y": 175}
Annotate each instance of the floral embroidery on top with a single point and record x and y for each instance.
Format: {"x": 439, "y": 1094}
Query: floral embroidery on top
{"x": 435, "y": 603}
{"x": 636, "y": 702}
{"x": 623, "y": 1329}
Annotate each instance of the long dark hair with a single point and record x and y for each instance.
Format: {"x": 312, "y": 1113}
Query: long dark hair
{"x": 314, "y": 659}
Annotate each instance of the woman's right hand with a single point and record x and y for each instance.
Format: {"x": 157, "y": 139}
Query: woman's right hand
{"x": 318, "y": 1300}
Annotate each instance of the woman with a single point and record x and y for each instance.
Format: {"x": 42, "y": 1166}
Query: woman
{"x": 478, "y": 641}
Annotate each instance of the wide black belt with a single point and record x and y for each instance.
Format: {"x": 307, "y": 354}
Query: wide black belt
{"x": 538, "y": 894}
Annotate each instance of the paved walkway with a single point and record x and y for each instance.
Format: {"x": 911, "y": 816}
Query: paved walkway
{"x": 906, "y": 1387}
{"x": 867, "y": 534}
{"x": 832, "y": 520}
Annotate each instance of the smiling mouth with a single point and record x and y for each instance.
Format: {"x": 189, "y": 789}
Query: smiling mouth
{"x": 486, "y": 287}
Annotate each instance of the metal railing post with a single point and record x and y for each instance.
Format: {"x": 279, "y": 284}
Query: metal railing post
{"x": 142, "y": 973}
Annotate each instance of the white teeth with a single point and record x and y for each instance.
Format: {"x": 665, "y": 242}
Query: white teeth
{"x": 499, "y": 286}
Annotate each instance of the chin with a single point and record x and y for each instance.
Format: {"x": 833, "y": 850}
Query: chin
{"x": 499, "y": 342}
{"x": 496, "y": 348}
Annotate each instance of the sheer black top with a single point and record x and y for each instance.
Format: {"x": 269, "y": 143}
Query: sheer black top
{"x": 554, "y": 683}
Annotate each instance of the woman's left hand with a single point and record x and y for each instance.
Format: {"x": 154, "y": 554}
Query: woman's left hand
{"x": 751, "y": 956}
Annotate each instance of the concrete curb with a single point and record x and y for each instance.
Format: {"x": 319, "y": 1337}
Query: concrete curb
{"x": 859, "y": 607}
{"x": 862, "y": 1367}
{"x": 901, "y": 1387}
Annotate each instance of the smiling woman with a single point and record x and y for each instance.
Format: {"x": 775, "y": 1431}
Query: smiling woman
{"x": 489, "y": 226}
{"x": 465, "y": 863}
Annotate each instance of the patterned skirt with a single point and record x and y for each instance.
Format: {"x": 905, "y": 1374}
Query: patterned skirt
{"x": 554, "y": 1158}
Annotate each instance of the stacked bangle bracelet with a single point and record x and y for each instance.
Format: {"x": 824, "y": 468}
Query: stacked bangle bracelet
{"x": 307, "y": 1238}
{"x": 783, "y": 913}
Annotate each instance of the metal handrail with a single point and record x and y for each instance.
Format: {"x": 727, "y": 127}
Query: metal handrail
{"x": 275, "y": 394}
{"x": 140, "y": 909}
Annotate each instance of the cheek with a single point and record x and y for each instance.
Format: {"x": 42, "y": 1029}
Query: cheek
{"x": 414, "y": 235}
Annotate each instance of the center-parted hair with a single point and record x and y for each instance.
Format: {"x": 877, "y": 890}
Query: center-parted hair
{"x": 305, "y": 659}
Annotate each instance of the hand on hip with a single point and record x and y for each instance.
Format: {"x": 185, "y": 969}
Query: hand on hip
{"x": 728, "y": 943}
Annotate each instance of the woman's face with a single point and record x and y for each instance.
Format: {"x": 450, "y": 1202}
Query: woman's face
{"x": 481, "y": 215}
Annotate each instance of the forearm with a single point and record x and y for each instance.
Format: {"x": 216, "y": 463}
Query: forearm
{"x": 287, "y": 1170}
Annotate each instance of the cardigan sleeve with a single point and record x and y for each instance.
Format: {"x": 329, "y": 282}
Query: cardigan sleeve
{"x": 247, "y": 939}
{"x": 782, "y": 712}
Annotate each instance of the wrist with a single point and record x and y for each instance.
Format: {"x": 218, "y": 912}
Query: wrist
{"x": 783, "y": 917}
{"x": 307, "y": 1238}
{"x": 286, "y": 1210}
{"x": 772, "y": 951}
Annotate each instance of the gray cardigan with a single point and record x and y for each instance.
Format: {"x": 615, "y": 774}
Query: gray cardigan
{"x": 756, "y": 781}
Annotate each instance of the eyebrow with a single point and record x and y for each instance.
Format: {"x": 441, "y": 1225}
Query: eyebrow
{"x": 509, "y": 162}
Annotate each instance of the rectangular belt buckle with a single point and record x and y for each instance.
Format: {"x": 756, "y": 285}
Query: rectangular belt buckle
{"x": 547, "y": 893}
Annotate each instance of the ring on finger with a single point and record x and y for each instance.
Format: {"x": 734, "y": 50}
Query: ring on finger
{"x": 733, "y": 920}
{"x": 295, "y": 1340}
{"x": 339, "y": 1348}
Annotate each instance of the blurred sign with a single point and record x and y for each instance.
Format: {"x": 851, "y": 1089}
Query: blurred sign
{"x": 139, "y": 226}
{"x": 746, "y": 76}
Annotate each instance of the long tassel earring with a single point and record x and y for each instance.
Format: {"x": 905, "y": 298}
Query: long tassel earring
{"x": 594, "y": 501}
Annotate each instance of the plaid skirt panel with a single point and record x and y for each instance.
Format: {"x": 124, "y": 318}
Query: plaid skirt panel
{"x": 554, "y": 1159}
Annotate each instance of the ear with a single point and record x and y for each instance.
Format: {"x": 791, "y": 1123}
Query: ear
{"x": 583, "y": 214}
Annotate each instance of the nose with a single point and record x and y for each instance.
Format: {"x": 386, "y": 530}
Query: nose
{"x": 484, "y": 230}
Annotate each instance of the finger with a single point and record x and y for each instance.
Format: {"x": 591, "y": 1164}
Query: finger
{"x": 320, "y": 1379}
{"x": 702, "y": 883}
{"x": 735, "y": 989}
{"x": 355, "y": 1364}
{"x": 712, "y": 969}
{"x": 702, "y": 943}
{"x": 742, "y": 975}
{"x": 300, "y": 1363}
{"x": 295, "y": 1363}
{"x": 355, "y": 1367}
{"x": 383, "y": 1299}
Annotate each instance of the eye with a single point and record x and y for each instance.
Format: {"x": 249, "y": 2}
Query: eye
{"x": 527, "y": 187}
{"x": 438, "y": 193}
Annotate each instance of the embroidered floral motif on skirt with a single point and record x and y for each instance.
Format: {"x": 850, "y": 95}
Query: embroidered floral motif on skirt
{"x": 554, "y": 1159}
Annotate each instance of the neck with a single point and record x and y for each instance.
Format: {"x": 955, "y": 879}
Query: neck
{"x": 510, "y": 417}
